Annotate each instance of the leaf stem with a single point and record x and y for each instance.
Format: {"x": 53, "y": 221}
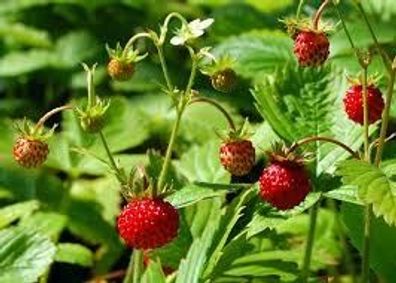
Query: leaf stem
{"x": 134, "y": 271}
{"x": 193, "y": 70}
{"x": 385, "y": 114}
{"x": 306, "y": 140}
{"x": 219, "y": 107}
{"x": 50, "y": 113}
{"x": 366, "y": 244}
{"x": 318, "y": 14}
{"x": 313, "y": 215}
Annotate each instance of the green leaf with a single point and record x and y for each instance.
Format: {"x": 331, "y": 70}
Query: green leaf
{"x": 24, "y": 255}
{"x": 13, "y": 212}
{"x": 192, "y": 194}
{"x": 299, "y": 103}
{"x": 374, "y": 187}
{"x": 21, "y": 62}
{"x": 227, "y": 223}
{"x": 192, "y": 266}
{"x": 257, "y": 53}
{"x": 382, "y": 240}
{"x": 25, "y": 35}
{"x": 201, "y": 163}
{"x": 50, "y": 224}
{"x": 74, "y": 254}
{"x": 266, "y": 217}
{"x": 74, "y": 48}
{"x": 345, "y": 193}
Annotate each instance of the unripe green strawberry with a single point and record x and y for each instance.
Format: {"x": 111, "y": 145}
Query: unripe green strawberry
{"x": 224, "y": 80}
{"x": 29, "y": 152}
{"x": 119, "y": 70}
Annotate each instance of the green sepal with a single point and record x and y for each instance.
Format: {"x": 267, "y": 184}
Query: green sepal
{"x": 131, "y": 56}
{"x": 30, "y": 131}
{"x": 223, "y": 63}
{"x": 240, "y": 133}
{"x": 92, "y": 119}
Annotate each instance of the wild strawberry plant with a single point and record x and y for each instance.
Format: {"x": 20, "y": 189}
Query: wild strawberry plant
{"x": 280, "y": 201}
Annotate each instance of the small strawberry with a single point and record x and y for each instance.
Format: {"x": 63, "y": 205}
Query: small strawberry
{"x": 311, "y": 48}
{"x": 30, "y": 152}
{"x": 121, "y": 66}
{"x": 353, "y": 103}
{"x": 224, "y": 80}
{"x": 237, "y": 154}
{"x": 148, "y": 223}
{"x": 222, "y": 75}
{"x": 31, "y": 148}
{"x": 285, "y": 182}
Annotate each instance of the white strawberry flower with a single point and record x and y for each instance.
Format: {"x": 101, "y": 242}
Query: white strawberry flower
{"x": 194, "y": 29}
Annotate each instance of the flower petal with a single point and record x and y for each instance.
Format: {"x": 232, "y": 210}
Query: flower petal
{"x": 177, "y": 40}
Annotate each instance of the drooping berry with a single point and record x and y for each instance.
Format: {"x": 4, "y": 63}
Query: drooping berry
{"x": 30, "y": 153}
{"x": 311, "y": 48}
{"x": 120, "y": 70}
{"x": 353, "y": 103}
{"x": 284, "y": 184}
{"x": 224, "y": 80}
{"x": 237, "y": 156}
{"x": 148, "y": 223}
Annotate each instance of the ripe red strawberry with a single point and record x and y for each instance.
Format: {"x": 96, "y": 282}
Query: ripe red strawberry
{"x": 30, "y": 152}
{"x": 148, "y": 223}
{"x": 224, "y": 80}
{"x": 237, "y": 156}
{"x": 353, "y": 103}
{"x": 311, "y": 48}
{"x": 119, "y": 70}
{"x": 284, "y": 183}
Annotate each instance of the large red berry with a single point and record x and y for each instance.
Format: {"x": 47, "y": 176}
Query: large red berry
{"x": 284, "y": 184}
{"x": 148, "y": 223}
{"x": 30, "y": 152}
{"x": 311, "y": 48}
{"x": 120, "y": 70}
{"x": 237, "y": 157}
{"x": 353, "y": 104}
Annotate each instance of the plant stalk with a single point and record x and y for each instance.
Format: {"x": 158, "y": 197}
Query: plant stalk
{"x": 385, "y": 115}
{"x": 168, "y": 154}
{"x": 134, "y": 271}
{"x": 119, "y": 173}
{"x": 384, "y": 56}
{"x": 132, "y": 40}
{"x": 299, "y": 143}
{"x": 47, "y": 115}
{"x": 300, "y": 4}
{"x": 367, "y": 210}
{"x": 164, "y": 67}
{"x": 318, "y": 14}
{"x": 313, "y": 215}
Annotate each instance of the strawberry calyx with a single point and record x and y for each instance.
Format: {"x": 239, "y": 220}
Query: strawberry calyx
{"x": 34, "y": 132}
{"x": 125, "y": 57}
{"x": 225, "y": 62}
{"x": 295, "y": 26}
{"x": 237, "y": 134}
{"x": 282, "y": 154}
{"x": 92, "y": 118}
